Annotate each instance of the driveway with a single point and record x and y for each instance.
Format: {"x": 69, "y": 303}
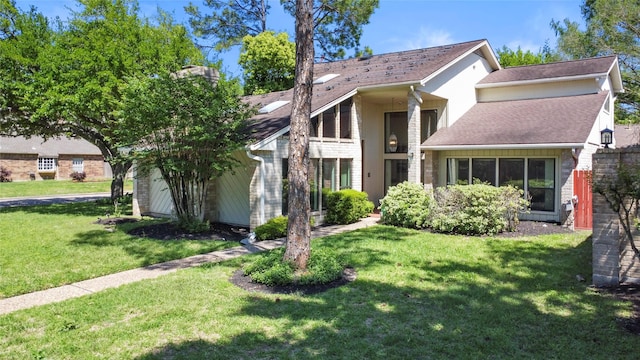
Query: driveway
{"x": 48, "y": 200}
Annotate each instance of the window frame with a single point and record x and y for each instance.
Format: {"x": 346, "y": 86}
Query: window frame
{"x": 47, "y": 164}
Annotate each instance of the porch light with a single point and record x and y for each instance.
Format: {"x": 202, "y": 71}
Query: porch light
{"x": 393, "y": 142}
{"x": 606, "y": 137}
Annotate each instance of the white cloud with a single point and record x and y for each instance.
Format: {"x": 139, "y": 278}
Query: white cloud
{"x": 427, "y": 37}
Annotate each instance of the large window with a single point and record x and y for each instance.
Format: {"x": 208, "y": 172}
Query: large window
{"x": 333, "y": 123}
{"x": 396, "y": 137}
{"x": 46, "y": 164}
{"x": 396, "y": 171}
{"x": 329, "y": 123}
{"x": 345, "y": 173}
{"x": 428, "y": 124}
{"x": 345, "y": 119}
{"x": 328, "y": 179}
{"x": 537, "y": 177}
{"x": 77, "y": 165}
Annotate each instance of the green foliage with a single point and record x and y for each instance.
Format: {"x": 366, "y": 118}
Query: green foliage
{"x": 347, "y": 206}
{"x": 508, "y": 57}
{"x": 272, "y": 270}
{"x": 69, "y": 79}
{"x": 273, "y": 229}
{"x": 476, "y": 209}
{"x": 188, "y": 128}
{"x": 268, "y": 61}
{"x": 406, "y": 205}
{"x": 612, "y": 28}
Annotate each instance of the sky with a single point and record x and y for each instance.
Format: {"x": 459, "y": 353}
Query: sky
{"x": 399, "y": 25}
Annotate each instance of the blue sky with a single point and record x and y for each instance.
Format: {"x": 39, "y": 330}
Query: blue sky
{"x": 405, "y": 24}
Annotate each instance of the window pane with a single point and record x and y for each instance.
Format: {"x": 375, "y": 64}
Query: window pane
{"x": 285, "y": 186}
{"x": 345, "y": 119}
{"x": 428, "y": 124}
{"x": 395, "y": 172}
{"x": 329, "y": 123}
{"x": 511, "y": 172}
{"x": 314, "y": 127}
{"x": 395, "y": 126}
{"x": 541, "y": 184}
{"x": 484, "y": 170}
{"x": 457, "y": 171}
{"x": 314, "y": 184}
{"x": 328, "y": 179}
{"x": 345, "y": 173}
{"x": 46, "y": 164}
{"x": 77, "y": 165}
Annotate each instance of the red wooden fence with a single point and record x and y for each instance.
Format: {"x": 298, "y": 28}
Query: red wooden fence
{"x": 583, "y": 212}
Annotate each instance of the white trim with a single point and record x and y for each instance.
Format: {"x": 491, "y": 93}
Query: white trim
{"x": 493, "y": 61}
{"x": 259, "y": 159}
{"x": 540, "y": 81}
{"x": 504, "y": 146}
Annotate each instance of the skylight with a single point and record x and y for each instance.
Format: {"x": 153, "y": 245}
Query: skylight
{"x": 324, "y": 78}
{"x": 273, "y": 106}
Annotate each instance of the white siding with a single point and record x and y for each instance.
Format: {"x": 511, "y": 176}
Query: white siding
{"x": 160, "y": 197}
{"x": 233, "y": 193}
{"x": 536, "y": 91}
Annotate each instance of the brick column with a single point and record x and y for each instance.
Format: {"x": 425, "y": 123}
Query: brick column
{"x": 413, "y": 151}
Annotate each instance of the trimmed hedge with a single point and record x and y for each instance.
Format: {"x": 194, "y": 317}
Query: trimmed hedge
{"x": 347, "y": 206}
{"x": 406, "y": 205}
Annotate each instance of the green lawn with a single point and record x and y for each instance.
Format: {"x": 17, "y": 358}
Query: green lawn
{"x": 49, "y": 246}
{"x": 57, "y": 187}
{"x": 417, "y": 296}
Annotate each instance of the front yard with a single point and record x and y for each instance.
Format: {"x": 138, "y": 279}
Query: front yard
{"x": 417, "y": 295}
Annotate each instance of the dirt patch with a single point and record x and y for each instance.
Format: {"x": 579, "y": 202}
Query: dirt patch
{"x": 170, "y": 231}
{"x": 244, "y": 282}
{"x": 631, "y": 293}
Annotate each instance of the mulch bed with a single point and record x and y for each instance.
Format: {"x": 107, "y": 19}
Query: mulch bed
{"x": 244, "y": 282}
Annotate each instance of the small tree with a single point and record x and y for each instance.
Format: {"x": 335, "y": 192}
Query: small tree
{"x": 622, "y": 193}
{"x": 188, "y": 128}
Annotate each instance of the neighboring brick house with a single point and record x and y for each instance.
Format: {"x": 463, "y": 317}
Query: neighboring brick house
{"x": 441, "y": 115}
{"x": 35, "y": 159}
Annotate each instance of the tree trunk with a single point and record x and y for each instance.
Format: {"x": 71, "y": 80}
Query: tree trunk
{"x": 298, "y": 247}
{"x": 117, "y": 183}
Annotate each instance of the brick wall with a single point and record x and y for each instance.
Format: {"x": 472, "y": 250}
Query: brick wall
{"x": 613, "y": 262}
{"x": 23, "y": 165}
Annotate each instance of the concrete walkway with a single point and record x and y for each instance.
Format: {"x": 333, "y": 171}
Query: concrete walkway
{"x": 91, "y": 286}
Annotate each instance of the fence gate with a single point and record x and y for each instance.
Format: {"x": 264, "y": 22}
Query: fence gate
{"x": 583, "y": 212}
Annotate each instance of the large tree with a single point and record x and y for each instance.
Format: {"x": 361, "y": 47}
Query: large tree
{"x": 68, "y": 80}
{"x": 188, "y": 128}
{"x": 612, "y": 27}
{"x": 337, "y": 23}
{"x": 298, "y": 247}
{"x": 269, "y": 62}
{"x": 508, "y": 57}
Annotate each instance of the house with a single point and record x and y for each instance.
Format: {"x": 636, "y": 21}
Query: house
{"x": 437, "y": 116}
{"x": 56, "y": 158}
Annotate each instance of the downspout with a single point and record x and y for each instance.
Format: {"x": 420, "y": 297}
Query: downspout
{"x": 261, "y": 186}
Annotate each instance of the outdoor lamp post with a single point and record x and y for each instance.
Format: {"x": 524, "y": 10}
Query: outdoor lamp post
{"x": 606, "y": 137}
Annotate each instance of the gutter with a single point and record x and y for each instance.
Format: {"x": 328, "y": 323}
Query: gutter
{"x": 504, "y": 146}
{"x": 539, "y": 81}
{"x": 262, "y": 180}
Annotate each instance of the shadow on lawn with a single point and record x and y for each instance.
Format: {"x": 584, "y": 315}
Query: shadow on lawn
{"x": 68, "y": 207}
{"x": 524, "y": 301}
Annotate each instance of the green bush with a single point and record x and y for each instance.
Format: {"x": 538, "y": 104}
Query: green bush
{"x": 476, "y": 209}
{"x": 347, "y": 206}
{"x": 406, "y": 205}
{"x": 323, "y": 267}
{"x": 273, "y": 229}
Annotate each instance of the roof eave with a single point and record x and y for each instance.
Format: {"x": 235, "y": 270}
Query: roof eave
{"x": 503, "y": 146}
{"x": 539, "y": 81}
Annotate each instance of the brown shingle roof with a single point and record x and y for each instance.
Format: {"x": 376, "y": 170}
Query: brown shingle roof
{"x": 377, "y": 70}
{"x": 52, "y": 147}
{"x": 560, "y": 120}
{"x": 551, "y": 70}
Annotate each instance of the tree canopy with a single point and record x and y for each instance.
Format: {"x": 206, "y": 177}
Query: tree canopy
{"x": 269, "y": 62}
{"x": 612, "y": 27}
{"x": 337, "y": 23}
{"x": 188, "y": 128}
{"x": 508, "y": 57}
{"x": 68, "y": 79}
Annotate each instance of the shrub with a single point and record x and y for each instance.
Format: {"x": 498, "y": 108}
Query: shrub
{"x": 78, "y": 176}
{"x": 407, "y": 205}
{"x": 273, "y": 229}
{"x": 476, "y": 209}
{"x": 347, "y": 206}
{"x": 5, "y": 174}
{"x": 323, "y": 267}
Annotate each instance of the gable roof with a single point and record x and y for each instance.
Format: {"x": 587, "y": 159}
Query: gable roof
{"x": 385, "y": 70}
{"x": 584, "y": 68}
{"x": 52, "y": 147}
{"x": 550, "y": 122}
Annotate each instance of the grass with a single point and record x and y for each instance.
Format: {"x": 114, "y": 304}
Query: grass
{"x": 57, "y": 187}
{"x": 417, "y": 295}
{"x": 49, "y": 246}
